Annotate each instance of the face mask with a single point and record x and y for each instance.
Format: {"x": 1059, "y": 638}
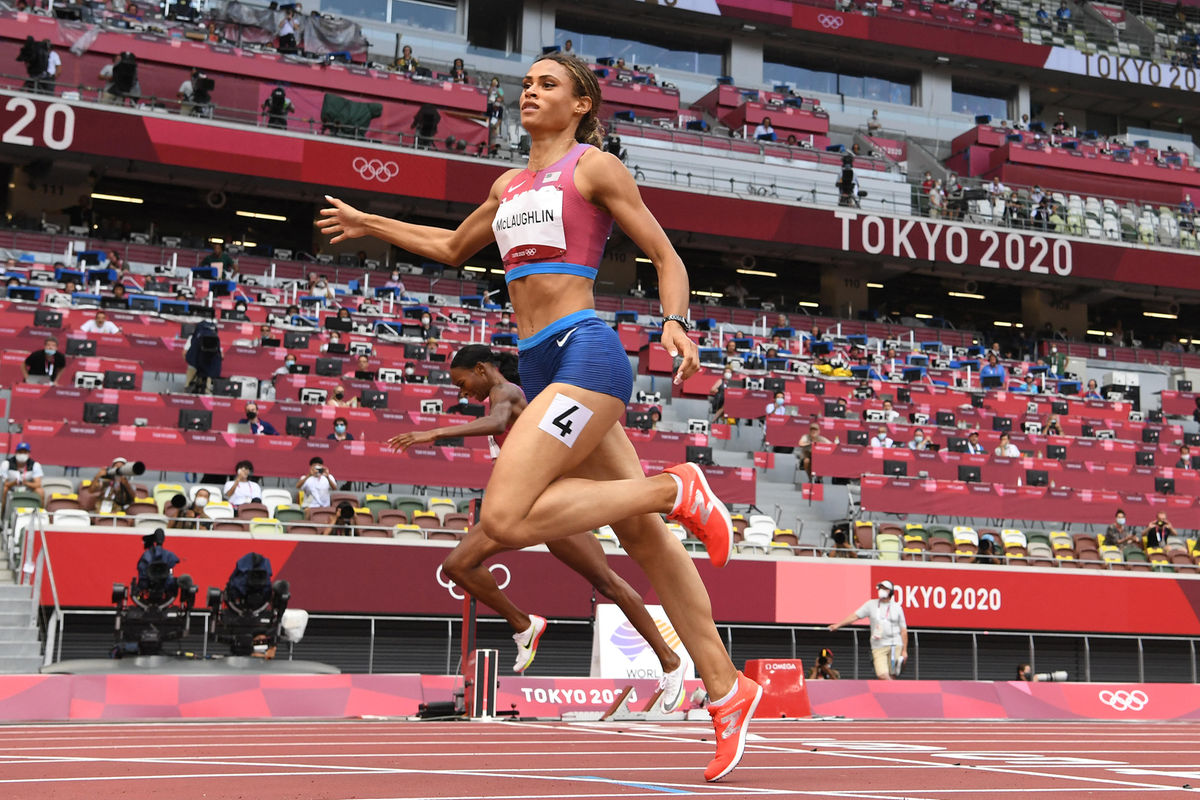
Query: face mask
{"x": 1120, "y": 520}
{"x": 201, "y": 502}
{"x": 50, "y": 353}
{"x": 321, "y": 285}
{"x": 728, "y": 375}
{"x": 241, "y": 309}
{"x": 339, "y": 395}
{"x": 340, "y": 428}
{"x": 409, "y": 371}
{"x": 462, "y": 401}
{"x": 251, "y": 414}
{"x": 22, "y": 458}
{"x": 424, "y": 320}
{"x": 883, "y": 594}
{"x": 395, "y": 276}
{"x": 919, "y": 438}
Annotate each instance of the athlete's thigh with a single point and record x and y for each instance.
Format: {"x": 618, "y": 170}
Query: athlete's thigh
{"x": 555, "y": 433}
{"x": 613, "y": 458}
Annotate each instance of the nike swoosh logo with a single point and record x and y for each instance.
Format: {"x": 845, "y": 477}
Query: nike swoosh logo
{"x": 566, "y": 336}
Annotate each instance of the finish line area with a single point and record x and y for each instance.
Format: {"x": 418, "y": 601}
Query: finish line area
{"x": 527, "y": 760}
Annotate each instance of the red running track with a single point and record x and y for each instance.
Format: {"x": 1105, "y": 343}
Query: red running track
{"x": 895, "y": 760}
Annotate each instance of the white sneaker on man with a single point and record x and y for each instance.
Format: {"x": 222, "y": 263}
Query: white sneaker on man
{"x": 527, "y": 642}
{"x": 671, "y": 684}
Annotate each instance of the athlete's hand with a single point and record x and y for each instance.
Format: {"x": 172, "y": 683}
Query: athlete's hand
{"x": 407, "y": 440}
{"x": 342, "y": 221}
{"x": 676, "y": 340}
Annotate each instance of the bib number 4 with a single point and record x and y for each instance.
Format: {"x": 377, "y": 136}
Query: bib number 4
{"x": 565, "y": 419}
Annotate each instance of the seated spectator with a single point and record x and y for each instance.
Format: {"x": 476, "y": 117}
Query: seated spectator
{"x": 974, "y": 446}
{"x": 45, "y": 365}
{"x": 1030, "y": 386}
{"x": 1061, "y": 126}
{"x": 428, "y": 331}
{"x": 338, "y": 398}
{"x": 407, "y": 62}
{"x": 1041, "y": 16}
{"x": 99, "y": 324}
{"x": 1156, "y": 532}
{"x": 881, "y": 438}
{"x": 823, "y": 670}
{"x": 363, "y": 369}
{"x": 1023, "y": 125}
{"x": 341, "y": 431}
{"x": 189, "y": 515}
{"x": 1006, "y": 448}
{"x": 323, "y": 289}
{"x": 806, "y": 444}
{"x": 343, "y": 523}
{"x": 1185, "y": 458}
{"x": 731, "y": 352}
{"x": 1092, "y": 392}
{"x": 1052, "y": 427}
{"x": 112, "y": 489}
{"x": 118, "y": 293}
{"x": 918, "y": 441}
{"x": 777, "y": 407}
{"x": 890, "y": 414}
{"x": 410, "y": 374}
{"x": 1064, "y": 19}
{"x": 119, "y": 264}
{"x": 505, "y": 324}
{"x": 241, "y": 489}
{"x": 285, "y": 368}
{"x": 257, "y": 424}
{"x": 716, "y": 395}
{"x": 22, "y": 472}
{"x": 394, "y": 282}
{"x": 569, "y": 47}
{"x": 842, "y": 546}
{"x": 988, "y": 546}
{"x": 217, "y": 258}
{"x": 764, "y": 131}
{"x": 267, "y": 337}
{"x": 1117, "y": 535}
{"x": 316, "y": 484}
{"x": 994, "y": 369}
{"x": 458, "y": 73}
{"x": 334, "y": 342}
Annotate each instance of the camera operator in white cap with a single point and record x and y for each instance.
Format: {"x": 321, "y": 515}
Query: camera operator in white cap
{"x": 889, "y": 631}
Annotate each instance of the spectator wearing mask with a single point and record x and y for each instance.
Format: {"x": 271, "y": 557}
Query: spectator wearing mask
{"x": 343, "y": 522}
{"x": 1118, "y": 534}
{"x": 1006, "y": 448}
{"x": 190, "y": 515}
{"x": 394, "y": 282}
{"x": 428, "y": 331}
{"x": 114, "y": 491}
{"x": 1156, "y": 532}
{"x": 258, "y": 425}
{"x": 1187, "y": 209}
{"x": 889, "y": 631}
{"x": 1185, "y": 458}
{"x": 881, "y": 438}
{"x": 335, "y": 342}
{"x": 410, "y": 374}
{"x": 341, "y": 431}
{"x": 45, "y": 365}
{"x": 338, "y": 398}
{"x": 777, "y": 407}
{"x": 23, "y": 472}
{"x": 241, "y": 489}
{"x": 918, "y": 440}
{"x": 505, "y": 324}
{"x": 289, "y": 361}
{"x": 316, "y": 484}
{"x": 99, "y": 324}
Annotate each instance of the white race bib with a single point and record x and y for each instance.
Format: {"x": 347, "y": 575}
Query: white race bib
{"x": 529, "y": 226}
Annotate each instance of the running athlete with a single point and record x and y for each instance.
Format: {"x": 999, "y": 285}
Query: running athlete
{"x": 483, "y": 375}
{"x": 567, "y": 464}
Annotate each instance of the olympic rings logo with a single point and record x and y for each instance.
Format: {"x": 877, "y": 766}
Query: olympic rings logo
{"x": 831, "y": 21}
{"x": 451, "y": 587}
{"x": 375, "y": 170}
{"x": 1122, "y": 700}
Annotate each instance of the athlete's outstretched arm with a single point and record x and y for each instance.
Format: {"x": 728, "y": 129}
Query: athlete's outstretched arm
{"x": 604, "y": 180}
{"x": 495, "y": 423}
{"x": 446, "y": 246}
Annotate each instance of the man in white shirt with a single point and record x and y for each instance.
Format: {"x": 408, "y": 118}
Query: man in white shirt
{"x": 881, "y": 438}
{"x": 889, "y": 631}
{"x": 100, "y": 324}
{"x": 890, "y": 414}
{"x": 316, "y": 484}
{"x": 1006, "y": 448}
{"x": 241, "y": 489}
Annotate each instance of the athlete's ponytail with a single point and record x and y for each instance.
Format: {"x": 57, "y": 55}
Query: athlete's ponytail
{"x": 589, "y": 130}
{"x": 472, "y": 354}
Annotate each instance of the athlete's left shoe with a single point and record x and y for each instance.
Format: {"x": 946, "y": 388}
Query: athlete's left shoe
{"x": 527, "y": 642}
{"x": 731, "y": 720}
{"x": 671, "y": 684}
{"x": 702, "y": 513}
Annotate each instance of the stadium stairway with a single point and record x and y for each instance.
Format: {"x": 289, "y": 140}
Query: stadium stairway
{"x": 20, "y": 650}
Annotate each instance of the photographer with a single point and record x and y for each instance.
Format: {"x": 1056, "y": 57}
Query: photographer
{"x": 153, "y": 552}
{"x": 195, "y": 95}
{"x": 22, "y": 471}
{"x": 241, "y": 489}
{"x": 276, "y": 108}
{"x": 847, "y": 184}
{"x": 185, "y": 515}
{"x": 316, "y": 484}
{"x": 1156, "y": 532}
{"x": 121, "y": 80}
{"x": 824, "y": 671}
{"x": 35, "y": 56}
{"x": 343, "y": 523}
{"x": 111, "y": 485}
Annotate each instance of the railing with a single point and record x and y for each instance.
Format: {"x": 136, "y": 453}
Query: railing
{"x": 33, "y": 570}
{"x": 743, "y": 641}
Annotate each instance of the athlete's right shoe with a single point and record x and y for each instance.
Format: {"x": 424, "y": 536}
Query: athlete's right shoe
{"x": 527, "y": 642}
{"x": 731, "y": 720}
{"x": 671, "y": 684}
{"x": 702, "y": 513}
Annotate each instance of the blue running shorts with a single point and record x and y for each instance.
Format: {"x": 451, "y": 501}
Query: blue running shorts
{"x": 579, "y": 349}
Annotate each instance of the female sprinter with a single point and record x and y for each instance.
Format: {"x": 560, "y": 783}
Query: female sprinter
{"x": 483, "y": 375}
{"x": 567, "y": 465}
